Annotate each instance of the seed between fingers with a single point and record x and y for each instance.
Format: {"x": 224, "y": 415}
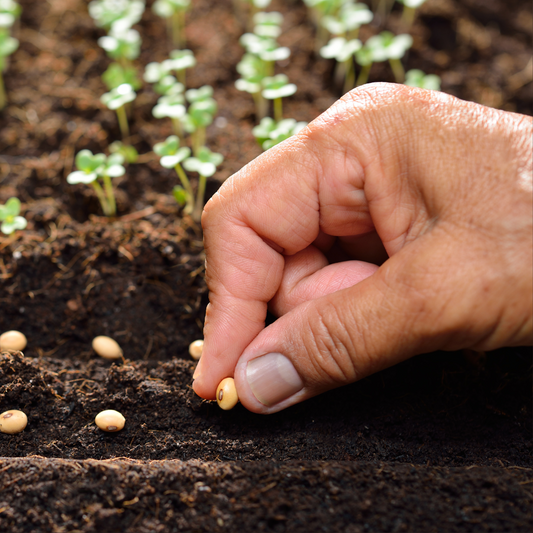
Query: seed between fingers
{"x": 227, "y": 397}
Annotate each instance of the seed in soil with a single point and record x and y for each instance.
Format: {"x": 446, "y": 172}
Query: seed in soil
{"x": 13, "y": 340}
{"x": 227, "y": 397}
{"x": 196, "y": 348}
{"x": 110, "y": 420}
{"x": 13, "y": 421}
{"x": 107, "y": 347}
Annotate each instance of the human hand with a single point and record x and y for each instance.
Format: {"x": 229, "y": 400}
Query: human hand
{"x": 441, "y": 187}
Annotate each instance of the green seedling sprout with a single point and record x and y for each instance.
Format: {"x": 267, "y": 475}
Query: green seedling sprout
{"x": 387, "y": 46}
{"x": 350, "y": 18}
{"x": 90, "y": 168}
{"x": 9, "y": 12}
{"x": 171, "y": 106}
{"x": 268, "y": 24}
{"x": 382, "y": 8}
{"x": 118, "y": 15}
{"x": 319, "y": 10}
{"x": 115, "y": 100}
{"x": 364, "y": 58}
{"x": 343, "y": 52}
{"x": 266, "y": 48}
{"x": 409, "y": 11}
{"x": 165, "y": 83}
{"x": 205, "y": 163}
{"x": 173, "y": 11}
{"x": 8, "y": 45}
{"x": 128, "y": 152}
{"x": 200, "y": 114}
{"x": 417, "y": 78}
{"x": 269, "y": 132}
{"x": 275, "y": 88}
{"x": 123, "y": 45}
{"x": 10, "y": 217}
{"x": 172, "y": 155}
{"x": 116, "y": 75}
{"x": 252, "y": 71}
{"x": 180, "y": 61}
{"x": 254, "y": 7}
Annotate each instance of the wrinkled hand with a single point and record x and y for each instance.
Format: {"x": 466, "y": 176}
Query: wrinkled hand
{"x": 436, "y": 190}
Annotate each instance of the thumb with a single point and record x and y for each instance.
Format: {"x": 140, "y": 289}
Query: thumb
{"x": 341, "y": 337}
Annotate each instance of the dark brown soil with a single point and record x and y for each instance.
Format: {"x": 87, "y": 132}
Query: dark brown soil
{"x": 442, "y": 442}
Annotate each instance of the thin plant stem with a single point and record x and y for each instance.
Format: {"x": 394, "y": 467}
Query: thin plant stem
{"x": 123, "y": 122}
{"x": 363, "y": 75}
{"x": 408, "y": 16}
{"x": 349, "y": 79}
{"x": 176, "y": 125}
{"x": 278, "y": 109}
{"x": 260, "y": 105}
{"x": 101, "y": 197}
{"x": 110, "y": 195}
{"x": 3, "y": 98}
{"x": 198, "y": 140}
{"x": 187, "y": 186}
{"x": 182, "y": 77}
{"x": 178, "y": 25}
{"x": 197, "y": 213}
{"x": 397, "y": 70}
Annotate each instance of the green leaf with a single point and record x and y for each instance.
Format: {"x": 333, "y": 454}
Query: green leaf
{"x": 180, "y": 195}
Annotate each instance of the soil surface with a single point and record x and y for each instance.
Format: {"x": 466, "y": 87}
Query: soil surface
{"x": 442, "y": 442}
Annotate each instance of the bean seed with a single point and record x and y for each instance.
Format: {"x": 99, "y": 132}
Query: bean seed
{"x": 110, "y": 420}
{"x": 13, "y": 340}
{"x": 196, "y": 348}
{"x": 13, "y": 421}
{"x": 227, "y": 397}
{"x": 107, "y": 347}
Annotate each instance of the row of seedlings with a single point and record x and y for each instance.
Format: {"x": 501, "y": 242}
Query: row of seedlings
{"x": 258, "y": 78}
{"x": 340, "y": 21}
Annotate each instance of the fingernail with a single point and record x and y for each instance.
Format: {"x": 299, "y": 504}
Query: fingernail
{"x": 272, "y": 378}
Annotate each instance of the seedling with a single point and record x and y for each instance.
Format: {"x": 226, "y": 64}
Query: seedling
{"x": 319, "y": 10}
{"x": 115, "y": 100}
{"x": 416, "y": 78}
{"x": 266, "y": 48}
{"x": 268, "y": 24}
{"x": 387, "y": 46}
{"x": 254, "y": 7}
{"x": 365, "y": 59}
{"x": 269, "y": 132}
{"x": 205, "y": 163}
{"x": 122, "y": 45}
{"x": 159, "y": 74}
{"x": 382, "y": 8}
{"x": 174, "y": 13}
{"x": 9, "y": 12}
{"x": 128, "y": 152}
{"x": 10, "y": 217}
{"x": 116, "y": 75}
{"x": 180, "y": 61}
{"x": 171, "y": 106}
{"x": 90, "y": 168}
{"x": 275, "y": 88}
{"x": 343, "y": 51}
{"x": 116, "y": 14}
{"x": 8, "y": 45}
{"x": 409, "y": 11}
{"x": 200, "y": 114}
{"x": 350, "y": 18}
{"x": 252, "y": 70}
{"x": 172, "y": 155}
